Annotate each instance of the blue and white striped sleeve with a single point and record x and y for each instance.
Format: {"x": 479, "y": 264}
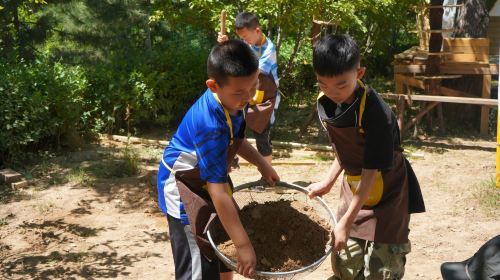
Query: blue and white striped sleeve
{"x": 267, "y": 61}
{"x": 211, "y": 147}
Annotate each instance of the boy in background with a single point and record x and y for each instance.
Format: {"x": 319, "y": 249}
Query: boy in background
{"x": 261, "y": 113}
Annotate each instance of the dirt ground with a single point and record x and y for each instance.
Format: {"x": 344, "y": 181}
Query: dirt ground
{"x": 81, "y": 219}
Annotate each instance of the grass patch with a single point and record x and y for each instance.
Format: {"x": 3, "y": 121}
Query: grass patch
{"x": 44, "y": 208}
{"x": 79, "y": 175}
{"x": 126, "y": 165}
{"x": 487, "y": 195}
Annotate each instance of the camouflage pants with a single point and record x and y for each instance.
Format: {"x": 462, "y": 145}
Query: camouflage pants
{"x": 368, "y": 260}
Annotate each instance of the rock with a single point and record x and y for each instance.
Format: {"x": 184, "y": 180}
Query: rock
{"x": 10, "y": 176}
{"x": 19, "y": 185}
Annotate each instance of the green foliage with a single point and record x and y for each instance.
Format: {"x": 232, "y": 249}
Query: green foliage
{"x": 42, "y": 103}
{"x": 74, "y": 68}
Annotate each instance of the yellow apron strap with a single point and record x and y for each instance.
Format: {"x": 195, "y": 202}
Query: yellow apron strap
{"x": 257, "y": 98}
{"x": 168, "y": 167}
{"x": 362, "y": 105}
{"x": 228, "y": 118}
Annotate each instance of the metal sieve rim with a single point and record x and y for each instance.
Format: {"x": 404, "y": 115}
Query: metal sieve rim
{"x": 286, "y": 273}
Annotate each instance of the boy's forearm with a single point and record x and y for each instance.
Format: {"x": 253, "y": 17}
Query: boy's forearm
{"x": 228, "y": 215}
{"x": 333, "y": 173}
{"x": 361, "y": 195}
{"x": 250, "y": 154}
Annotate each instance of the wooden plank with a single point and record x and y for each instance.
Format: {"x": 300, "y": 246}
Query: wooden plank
{"x": 407, "y": 80}
{"x": 409, "y": 68}
{"x": 453, "y": 92}
{"x": 485, "y": 111}
{"x": 445, "y": 99}
{"x": 439, "y": 77}
{"x": 450, "y": 68}
{"x": 472, "y": 68}
{"x": 401, "y": 112}
{"x": 479, "y": 57}
{"x": 436, "y": 30}
{"x": 466, "y": 42}
{"x": 422, "y": 113}
{"x": 467, "y": 50}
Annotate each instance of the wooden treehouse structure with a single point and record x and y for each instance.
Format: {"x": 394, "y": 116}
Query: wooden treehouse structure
{"x": 437, "y": 60}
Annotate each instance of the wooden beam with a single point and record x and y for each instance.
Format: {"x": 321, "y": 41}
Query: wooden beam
{"x": 407, "y": 80}
{"x": 446, "y": 99}
{"x": 422, "y": 113}
{"x": 466, "y": 42}
{"x": 453, "y": 92}
{"x": 401, "y": 112}
{"x": 453, "y": 68}
{"x": 436, "y": 30}
{"x": 485, "y": 111}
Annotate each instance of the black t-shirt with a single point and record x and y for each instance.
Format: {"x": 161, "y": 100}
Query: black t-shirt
{"x": 379, "y": 124}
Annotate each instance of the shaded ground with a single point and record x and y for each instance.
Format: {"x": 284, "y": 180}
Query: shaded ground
{"x": 92, "y": 215}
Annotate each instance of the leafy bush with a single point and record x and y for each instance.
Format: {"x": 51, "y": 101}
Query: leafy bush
{"x": 42, "y": 104}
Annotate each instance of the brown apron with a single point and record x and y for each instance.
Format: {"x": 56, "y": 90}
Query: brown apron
{"x": 261, "y": 106}
{"x": 196, "y": 199}
{"x": 385, "y": 216}
{"x": 197, "y": 202}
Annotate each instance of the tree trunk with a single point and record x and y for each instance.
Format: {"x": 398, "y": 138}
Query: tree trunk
{"x": 269, "y": 28}
{"x": 296, "y": 48}
{"x": 278, "y": 41}
{"x": 315, "y": 33}
{"x": 472, "y": 19}
{"x": 17, "y": 27}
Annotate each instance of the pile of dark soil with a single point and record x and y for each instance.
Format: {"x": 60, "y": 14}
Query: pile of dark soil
{"x": 286, "y": 235}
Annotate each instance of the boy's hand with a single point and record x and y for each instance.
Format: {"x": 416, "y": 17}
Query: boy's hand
{"x": 318, "y": 189}
{"x": 246, "y": 260}
{"x": 340, "y": 235}
{"x": 269, "y": 174}
{"x": 222, "y": 38}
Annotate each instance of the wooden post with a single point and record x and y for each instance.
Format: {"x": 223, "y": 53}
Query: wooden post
{"x": 400, "y": 102}
{"x": 436, "y": 39}
{"x": 401, "y": 113}
{"x": 223, "y": 22}
{"x": 485, "y": 111}
{"x": 420, "y": 115}
{"x": 498, "y": 133}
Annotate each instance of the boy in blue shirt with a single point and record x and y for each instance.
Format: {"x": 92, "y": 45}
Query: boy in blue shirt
{"x": 260, "y": 115}
{"x": 193, "y": 181}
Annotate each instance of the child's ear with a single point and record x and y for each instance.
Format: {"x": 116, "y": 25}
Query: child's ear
{"x": 360, "y": 73}
{"x": 212, "y": 85}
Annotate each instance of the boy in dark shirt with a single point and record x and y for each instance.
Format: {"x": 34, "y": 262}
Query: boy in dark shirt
{"x": 379, "y": 190}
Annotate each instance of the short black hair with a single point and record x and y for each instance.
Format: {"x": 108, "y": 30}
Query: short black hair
{"x": 232, "y": 58}
{"x": 335, "y": 54}
{"x": 246, "y": 20}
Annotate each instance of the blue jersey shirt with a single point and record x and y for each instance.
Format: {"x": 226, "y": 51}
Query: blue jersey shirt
{"x": 201, "y": 140}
